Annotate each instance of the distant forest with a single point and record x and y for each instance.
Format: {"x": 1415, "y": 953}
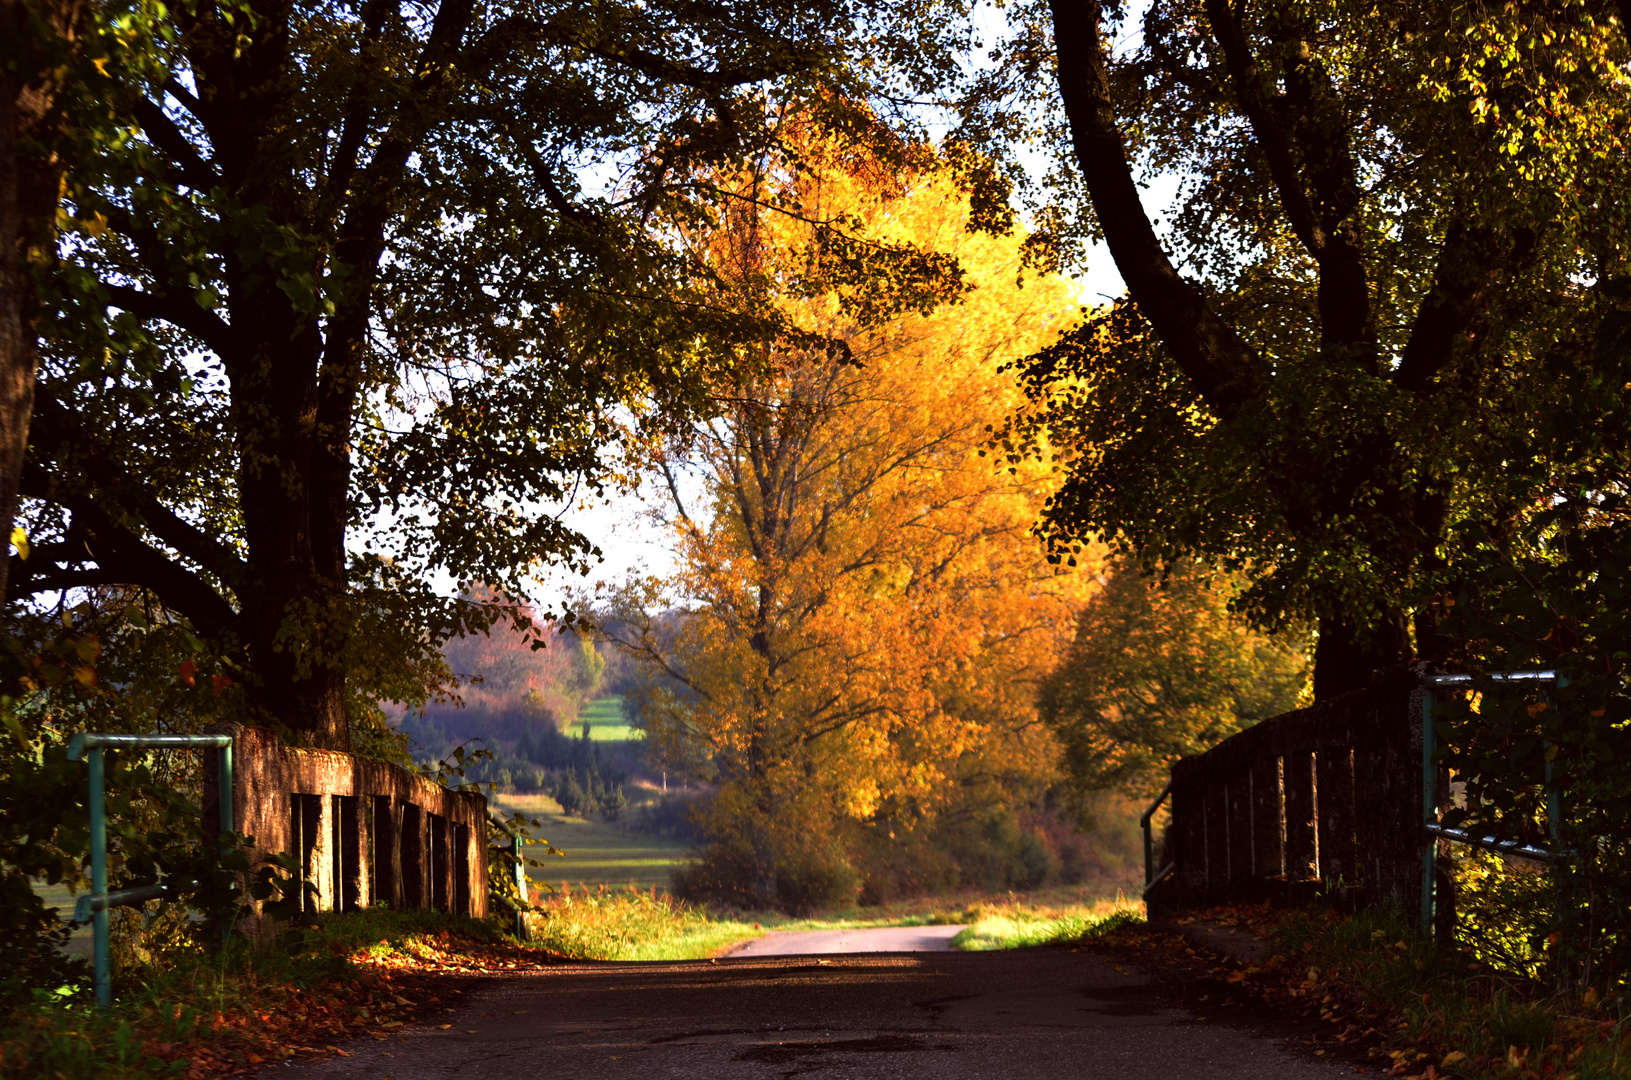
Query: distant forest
{"x": 522, "y": 704}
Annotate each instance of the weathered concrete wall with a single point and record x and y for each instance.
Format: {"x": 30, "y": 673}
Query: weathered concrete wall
{"x": 1322, "y": 801}
{"x": 366, "y": 831}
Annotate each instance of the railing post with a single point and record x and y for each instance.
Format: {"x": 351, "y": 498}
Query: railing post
{"x": 225, "y": 787}
{"x": 99, "y": 877}
{"x": 1429, "y": 809}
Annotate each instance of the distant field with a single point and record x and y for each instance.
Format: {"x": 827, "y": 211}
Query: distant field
{"x": 59, "y": 897}
{"x": 597, "y": 853}
{"x": 606, "y": 723}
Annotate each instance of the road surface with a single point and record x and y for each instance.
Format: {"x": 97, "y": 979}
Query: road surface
{"x": 876, "y": 939}
{"x": 1029, "y": 1014}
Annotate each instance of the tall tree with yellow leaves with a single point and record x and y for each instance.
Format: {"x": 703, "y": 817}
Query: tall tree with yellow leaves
{"x": 865, "y": 615}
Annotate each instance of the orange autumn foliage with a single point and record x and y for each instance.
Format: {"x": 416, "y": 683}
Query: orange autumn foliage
{"x": 861, "y": 616}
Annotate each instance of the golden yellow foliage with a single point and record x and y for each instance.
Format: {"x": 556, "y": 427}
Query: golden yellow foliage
{"x": 866, "y": 614}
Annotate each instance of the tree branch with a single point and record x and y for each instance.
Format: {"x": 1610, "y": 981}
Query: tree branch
{"x": 164, "y": 134}
{"x": 1223, "y": 367}
{"x": 181, "y": 312}
{"x": 123, "y": 559}
{"x": 55, "y": 427}
{"x": 1324, "y": 226}
{"x": 1467, "y": 271}
{"x": 510, "y": 33}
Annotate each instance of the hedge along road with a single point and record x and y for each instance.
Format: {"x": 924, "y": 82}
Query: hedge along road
{"x": 1047, "y": 1012}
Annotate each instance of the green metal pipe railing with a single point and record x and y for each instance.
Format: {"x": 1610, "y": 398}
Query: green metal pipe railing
{"x": 95, "y": 905}
{"x": 1429, "y": 786}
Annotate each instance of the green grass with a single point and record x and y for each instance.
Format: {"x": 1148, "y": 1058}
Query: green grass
{"x": 597, "y": 852}
{"x": 606, "y": 721}
{"x": 1442, "y": 1006}
{"x": 1014, "y": 925}
{"x": 625, "y": 924}
{"x": 603, "y": 924}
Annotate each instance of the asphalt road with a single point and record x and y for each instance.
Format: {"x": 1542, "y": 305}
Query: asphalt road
{"x": 828, "y": 942}
{"x": 1033, "y": 1013}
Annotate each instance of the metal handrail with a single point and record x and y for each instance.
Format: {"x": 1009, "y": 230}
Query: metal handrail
{"x": 1150, "y": 876}
{"x": 94, "y": 907}
{"x": 1429, "y": 801}
{"x": 520, "y": 871}
{"x": 1159, "y": 878}
{"x": 92, "y": 741}
{"x": 1504, "y": 847}
{"x": 1547, "y": 676}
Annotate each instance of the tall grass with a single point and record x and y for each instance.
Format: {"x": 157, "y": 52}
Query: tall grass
{"x": 1021, "y": 926}
{"x": 627, "y": 924}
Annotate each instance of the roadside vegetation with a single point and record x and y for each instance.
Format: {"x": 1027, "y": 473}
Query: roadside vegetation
{"x": 1417, "y": 1011}
{"x": 188, "y": 1013}
{"x": 630, "y": 924}
{"x": 1017, "y": 925}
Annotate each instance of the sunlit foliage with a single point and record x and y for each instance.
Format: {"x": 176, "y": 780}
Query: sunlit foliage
{"x": 864, "y": 614}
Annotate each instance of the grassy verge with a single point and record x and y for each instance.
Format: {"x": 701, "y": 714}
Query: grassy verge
{"x": 1018, "y": 926}
{"x": 1424, "y": 1013}
{"x": 627, "y": 924}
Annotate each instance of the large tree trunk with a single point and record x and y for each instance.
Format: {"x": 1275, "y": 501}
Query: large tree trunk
{"x": 294, "y": 607}
{"x": 1350, "y": 652}
{"x": 34, "y": 40}
{"x": 1316, "y": 178}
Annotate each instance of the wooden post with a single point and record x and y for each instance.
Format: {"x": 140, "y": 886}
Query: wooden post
{"x": 1218, "y": 871}
{"x": 1338, "y": 854}
{"x": 1186, "y": 837}
{"x": 1242, "y": 870}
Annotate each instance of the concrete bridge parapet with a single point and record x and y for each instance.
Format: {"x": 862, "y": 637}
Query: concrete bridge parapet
{"x": 364, "y": 831}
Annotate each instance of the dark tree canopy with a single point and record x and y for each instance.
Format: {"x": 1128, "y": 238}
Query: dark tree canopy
{"x": 365, "y": 289}
{"x": 1397, "y": 235}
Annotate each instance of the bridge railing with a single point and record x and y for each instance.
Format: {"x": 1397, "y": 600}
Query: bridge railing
{"x": 1327, "y": 800}
{"x": 1339, "y": 801}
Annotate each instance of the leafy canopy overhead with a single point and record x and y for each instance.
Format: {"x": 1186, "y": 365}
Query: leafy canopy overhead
{"x": 1396, "y": 233}
{"x": 362, "y": 291}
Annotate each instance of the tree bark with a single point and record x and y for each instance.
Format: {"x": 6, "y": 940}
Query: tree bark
{"x": 1348, "y": 656}
{"x": 30, "y": 180}
{"x": 1222, "y": 365}
{"x": 1317, "y": 186}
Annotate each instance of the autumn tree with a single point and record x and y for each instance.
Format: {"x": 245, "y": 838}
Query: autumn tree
{"x": 863, "y": 614}
{"x": 1397, "y": 230}
{"x": 347, "y": 307}
{"x": 1161, "y": 669}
